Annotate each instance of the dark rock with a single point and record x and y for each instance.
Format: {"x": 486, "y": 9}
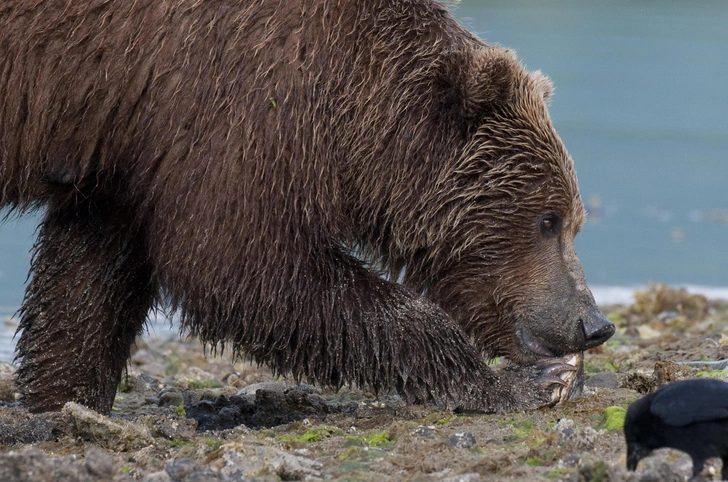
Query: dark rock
{"x": 603, "y": 380}
{"x": 269, "y": 407}
{"x": 229, "y": 415}
{"x": 191, "y": 397}
{"x": 210, "y": 396}
{"x": 206, "y": 415}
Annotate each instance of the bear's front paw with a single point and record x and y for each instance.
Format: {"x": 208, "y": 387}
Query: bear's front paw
{"x": 563, "y": 377}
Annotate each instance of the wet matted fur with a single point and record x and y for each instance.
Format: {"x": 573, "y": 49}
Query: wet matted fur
{"x": 230, "y": 156}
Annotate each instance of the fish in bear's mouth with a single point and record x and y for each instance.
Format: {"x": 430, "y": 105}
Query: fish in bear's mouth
{"x": 571, "y": 382}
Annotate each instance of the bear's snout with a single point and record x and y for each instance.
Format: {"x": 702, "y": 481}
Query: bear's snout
{"x": 596, "y": 329}
{"x": 558, "y": 329}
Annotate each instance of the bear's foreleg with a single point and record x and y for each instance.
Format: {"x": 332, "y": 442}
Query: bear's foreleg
{"x": 87, "y": 300}
{"x": 352, "y": 326}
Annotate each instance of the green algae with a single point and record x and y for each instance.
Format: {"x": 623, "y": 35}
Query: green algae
{"x": 613, "y": 418}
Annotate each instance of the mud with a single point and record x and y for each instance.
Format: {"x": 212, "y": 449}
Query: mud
{"x": 180, "y": 415}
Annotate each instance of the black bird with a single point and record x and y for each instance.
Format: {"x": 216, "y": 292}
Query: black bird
{"x": 689, "y": 415}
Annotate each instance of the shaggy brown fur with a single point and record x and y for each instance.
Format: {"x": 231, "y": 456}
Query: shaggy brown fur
{"x": 232, "y": 155}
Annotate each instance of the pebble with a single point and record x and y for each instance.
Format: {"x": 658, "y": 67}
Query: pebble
{"x": 469, "y": 477}
{"x": 154, "y": 369}
{"x": 34, "y": 466}
{"x": 664, "y": 473}
{"x": 7, "y": 383}
{"x": 572, "y": 460}
{"x": 192, "y": 374}
{"x": 426, "y": 432}
{"x": 182, "y": 468}
{"x": 173, "y": 427}
{"x": 143, "y": 383}
{"x": 572, "y": 437}
{"x": 142, "y": 357}
{"x": 171, "y": 399}
{"x": 99, "y": 464}
{"x": 647, "y": 333}
{"x": 238, "y": 459}
{"x": 162, "y": 476}
{"x": 464, "y": 440}
{"x": 250, "y": 391}
{"x": 118, "y": 435}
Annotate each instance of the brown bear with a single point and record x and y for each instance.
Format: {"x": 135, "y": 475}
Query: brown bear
{"x": 352, "y": 192}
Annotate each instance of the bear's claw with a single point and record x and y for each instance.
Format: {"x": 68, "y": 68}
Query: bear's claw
{"x": 547, "y": 381}
{"x": 564, "y": 375}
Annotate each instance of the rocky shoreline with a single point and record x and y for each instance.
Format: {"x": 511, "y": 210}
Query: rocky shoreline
{"x": 182, "y": 415}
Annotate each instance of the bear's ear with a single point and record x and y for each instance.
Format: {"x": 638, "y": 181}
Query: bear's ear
{"x": 542, "y": 84}
{"x": 483, "y": 79}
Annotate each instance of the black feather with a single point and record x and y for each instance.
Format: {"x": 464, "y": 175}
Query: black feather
{"x": 689, "y": 415}
{"x": 690, "y": 401}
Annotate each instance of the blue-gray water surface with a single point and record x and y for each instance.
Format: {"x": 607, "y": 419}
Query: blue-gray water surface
{"x": 641, "y": 102}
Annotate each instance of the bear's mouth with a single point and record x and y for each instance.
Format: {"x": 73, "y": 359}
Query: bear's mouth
{"x": 533, "y": 345}
{"x": 552, "y": 367}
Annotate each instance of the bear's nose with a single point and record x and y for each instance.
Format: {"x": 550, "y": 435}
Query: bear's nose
{"x": 596, "y": 328}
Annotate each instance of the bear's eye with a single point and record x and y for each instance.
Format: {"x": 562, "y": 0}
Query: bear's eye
{"x": 550, "y": 224}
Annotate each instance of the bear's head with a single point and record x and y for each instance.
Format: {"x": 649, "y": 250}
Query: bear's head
{"x": 503, "y": 218}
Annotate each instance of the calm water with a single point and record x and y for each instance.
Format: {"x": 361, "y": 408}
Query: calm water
{"x": 641, "y": 102}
